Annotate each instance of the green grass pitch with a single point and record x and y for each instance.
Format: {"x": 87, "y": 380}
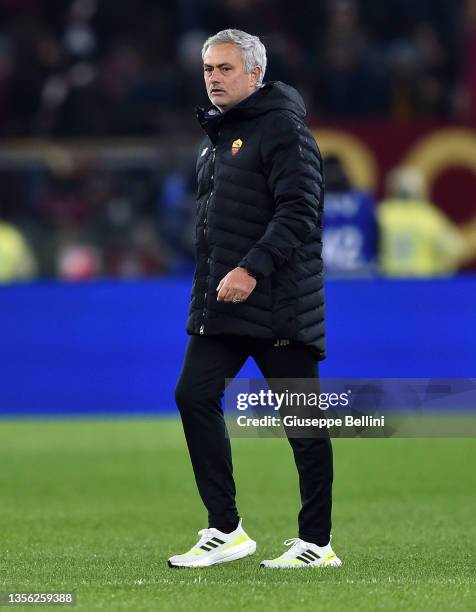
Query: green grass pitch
{"x": 96, "y": 507}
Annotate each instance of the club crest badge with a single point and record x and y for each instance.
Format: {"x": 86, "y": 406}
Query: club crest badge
{"x": 236, "y": 146}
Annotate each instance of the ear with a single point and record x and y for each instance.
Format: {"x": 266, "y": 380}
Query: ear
{"x": 255, "y": 75}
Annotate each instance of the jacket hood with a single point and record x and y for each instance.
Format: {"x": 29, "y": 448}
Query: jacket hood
{"x": 273, "y": 95}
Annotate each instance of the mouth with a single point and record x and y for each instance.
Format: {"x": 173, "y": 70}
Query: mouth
{"x": 217, "y": 92}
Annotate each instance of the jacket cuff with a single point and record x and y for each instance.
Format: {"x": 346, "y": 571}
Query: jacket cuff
{"x": 257, "y": 264}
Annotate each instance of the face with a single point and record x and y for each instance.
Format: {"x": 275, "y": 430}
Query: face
{"x": 225, "y": 80}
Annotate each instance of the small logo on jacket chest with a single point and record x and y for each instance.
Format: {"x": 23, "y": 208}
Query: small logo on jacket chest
{"x": 236, "y": 146}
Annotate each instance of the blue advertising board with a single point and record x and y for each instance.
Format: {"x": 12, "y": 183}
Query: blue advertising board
{"x": 116, "y": 347}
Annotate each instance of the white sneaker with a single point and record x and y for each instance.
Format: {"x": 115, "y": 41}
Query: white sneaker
{"x": 216, "y": 547}
{"x": 304, "y": 554}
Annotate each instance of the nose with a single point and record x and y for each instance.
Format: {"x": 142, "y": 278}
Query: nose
{"x": 214, "y": 77}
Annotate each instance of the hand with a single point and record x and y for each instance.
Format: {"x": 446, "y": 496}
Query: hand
{"x": 236, "y": 286}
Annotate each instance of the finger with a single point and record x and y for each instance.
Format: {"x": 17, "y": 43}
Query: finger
{"x": 222, "y": 294}
{"x": 239, "y": 297}
{"x": 230, "y": 295}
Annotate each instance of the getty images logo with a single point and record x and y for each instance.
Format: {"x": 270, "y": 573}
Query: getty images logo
{"x": 269, "y": 398}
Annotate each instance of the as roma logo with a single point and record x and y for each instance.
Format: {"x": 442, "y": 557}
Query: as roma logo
{"x": 236, "y": 146}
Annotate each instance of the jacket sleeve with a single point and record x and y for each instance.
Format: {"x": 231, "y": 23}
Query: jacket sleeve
{"x": 293, "y": 168}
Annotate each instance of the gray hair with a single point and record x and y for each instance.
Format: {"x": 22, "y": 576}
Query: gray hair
{"x": 252, "y": 49}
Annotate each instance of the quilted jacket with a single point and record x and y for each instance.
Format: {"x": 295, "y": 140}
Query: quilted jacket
{"x": 260, "y": 206}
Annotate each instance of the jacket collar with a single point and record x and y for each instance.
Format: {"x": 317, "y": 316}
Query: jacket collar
{"x": 211, "y": 118}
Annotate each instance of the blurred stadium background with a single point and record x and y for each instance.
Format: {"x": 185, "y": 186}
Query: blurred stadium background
{"x": 97, "y": 151}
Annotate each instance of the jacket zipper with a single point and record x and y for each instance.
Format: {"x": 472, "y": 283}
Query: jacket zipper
{"x": 205, "y": 221}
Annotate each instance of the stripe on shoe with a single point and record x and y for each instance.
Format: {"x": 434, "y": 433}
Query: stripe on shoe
{"x": 302, "y": 558}
{"x": 312, "y": 553}
{"x": 211, "y": 544}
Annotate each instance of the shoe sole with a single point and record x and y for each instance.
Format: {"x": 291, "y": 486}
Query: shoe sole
{"x": 310, "y": 565}
{"x": 239, "y": 552}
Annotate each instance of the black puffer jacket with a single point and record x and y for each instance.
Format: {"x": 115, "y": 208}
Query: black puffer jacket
{"x": 259, "y": 205}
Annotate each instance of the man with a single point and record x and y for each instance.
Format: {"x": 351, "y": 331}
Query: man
{"x": 17, "y": 261}
{"x": 416, "y": 238}
{"x": 257, "y": 290}
{"x": 350, "y": 227}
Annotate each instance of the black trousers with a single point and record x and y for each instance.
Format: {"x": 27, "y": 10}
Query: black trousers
{"x": 208, "y": 361}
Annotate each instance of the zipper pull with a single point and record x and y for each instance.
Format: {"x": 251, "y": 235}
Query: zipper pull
{"x": 202, "y": 329}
